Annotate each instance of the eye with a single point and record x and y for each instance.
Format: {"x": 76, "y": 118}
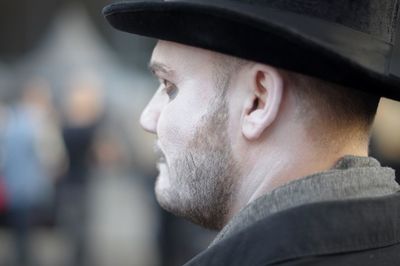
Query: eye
{"x": 170, "y": 89}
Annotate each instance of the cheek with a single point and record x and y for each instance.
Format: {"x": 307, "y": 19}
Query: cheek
{"x": 180, "y": 118}
{"x": 171, "y": 130}
{"x": 236, "y": 117}
{"x": 176, "y": 127}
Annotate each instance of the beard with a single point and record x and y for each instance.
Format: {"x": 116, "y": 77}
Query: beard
{"x": 202, "y": 179}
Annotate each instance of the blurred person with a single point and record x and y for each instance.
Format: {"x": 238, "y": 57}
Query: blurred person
{"x": 33, "y": 155}
{"x": 263, "y": 118}
{"x": 386, "y": 138}
{"x": 81, "y": 116}
{"x": 3, "y": 200}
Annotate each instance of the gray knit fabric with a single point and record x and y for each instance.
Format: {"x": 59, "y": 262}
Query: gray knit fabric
{"x": 352, "y": 177}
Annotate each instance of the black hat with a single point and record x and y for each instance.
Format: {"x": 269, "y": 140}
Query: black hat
{"x": 354, "y": 43}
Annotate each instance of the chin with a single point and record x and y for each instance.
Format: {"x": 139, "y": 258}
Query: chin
{"x": 163, "y": 188}
{"x": 166, "y": 197}
{"x": 185, "y": 205}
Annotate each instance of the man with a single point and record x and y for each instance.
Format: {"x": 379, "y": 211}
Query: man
{"x": 263, "y": 118}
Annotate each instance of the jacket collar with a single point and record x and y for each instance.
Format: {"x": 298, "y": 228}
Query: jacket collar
{"x": 352, "y": 177}
{"x": 316, "y": 229}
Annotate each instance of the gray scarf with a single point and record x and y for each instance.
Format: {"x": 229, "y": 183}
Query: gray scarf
{"x": 352, "y": 177}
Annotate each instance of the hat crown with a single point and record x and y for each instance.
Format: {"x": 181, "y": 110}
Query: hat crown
{"x": 375, "y": 17}
{"x": 355, "y": 43}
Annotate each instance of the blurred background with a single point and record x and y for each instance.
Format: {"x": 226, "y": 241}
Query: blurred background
{"x": 76, "y": 171}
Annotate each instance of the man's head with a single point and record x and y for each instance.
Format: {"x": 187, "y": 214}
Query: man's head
{"x": 225, "y": 125}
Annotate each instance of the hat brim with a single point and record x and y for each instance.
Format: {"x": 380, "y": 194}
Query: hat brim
{"x": 325, "y": 50}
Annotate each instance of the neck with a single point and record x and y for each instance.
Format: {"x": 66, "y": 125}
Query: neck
{"x": 279, "y": 166}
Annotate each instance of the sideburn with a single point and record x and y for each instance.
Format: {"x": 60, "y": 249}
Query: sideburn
{"x": 207, "y": 172}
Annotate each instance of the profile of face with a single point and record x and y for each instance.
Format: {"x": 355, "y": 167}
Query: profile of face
{"x": 189, "y": 114}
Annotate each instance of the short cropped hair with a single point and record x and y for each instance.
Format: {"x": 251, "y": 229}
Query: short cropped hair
{"x": 337, "y": 109}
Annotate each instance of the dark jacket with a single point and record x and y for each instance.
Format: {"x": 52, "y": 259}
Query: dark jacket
{"x": 349, "y": 232}
{"x": 347, "y": 215}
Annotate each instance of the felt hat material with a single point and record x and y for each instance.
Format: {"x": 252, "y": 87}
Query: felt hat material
{"x": 355, "y": 43}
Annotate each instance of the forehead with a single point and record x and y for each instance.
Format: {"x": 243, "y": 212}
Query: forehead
{"x": 179, "y": 57}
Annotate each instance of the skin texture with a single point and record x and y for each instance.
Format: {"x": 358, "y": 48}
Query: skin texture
{"x": 190, "y": 120}
{"x": 227, "y": 133}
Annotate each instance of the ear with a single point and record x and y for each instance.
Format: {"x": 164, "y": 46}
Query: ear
{"x": 264, "y": 100}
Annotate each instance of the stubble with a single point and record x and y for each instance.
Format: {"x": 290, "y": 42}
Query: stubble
{"x": 202, "y": 179}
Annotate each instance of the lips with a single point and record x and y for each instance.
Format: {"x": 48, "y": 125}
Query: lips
{"x": 159, "y": 153}
{"x": 161, "y": 159}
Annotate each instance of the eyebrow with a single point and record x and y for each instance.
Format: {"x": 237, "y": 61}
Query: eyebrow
{"x": 156, "y": 67}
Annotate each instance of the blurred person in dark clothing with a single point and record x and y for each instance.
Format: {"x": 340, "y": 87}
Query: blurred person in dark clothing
{"x": 263, "y": 119}
{"x": 33, "y": 155}
{"x": 82, "y": 114}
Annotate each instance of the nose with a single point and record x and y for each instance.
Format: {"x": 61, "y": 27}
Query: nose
{"x": 151, "y": 113}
